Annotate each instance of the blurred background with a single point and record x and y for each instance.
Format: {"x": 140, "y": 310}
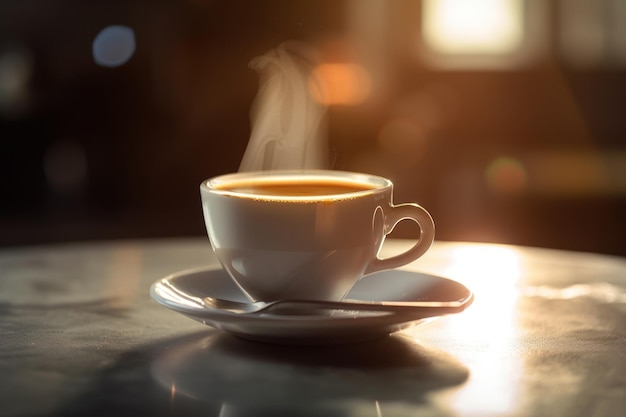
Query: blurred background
{"x": 504, "y": 118}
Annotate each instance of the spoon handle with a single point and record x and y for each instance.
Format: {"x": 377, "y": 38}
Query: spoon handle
{"x": 427, "y": 307}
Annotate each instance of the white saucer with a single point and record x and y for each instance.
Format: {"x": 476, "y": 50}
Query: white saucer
{"x": 183, "y": 291}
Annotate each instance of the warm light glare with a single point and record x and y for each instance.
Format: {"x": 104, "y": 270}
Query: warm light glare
{"x": 492, "y": 272}
{"x": 473, "y": 26}
{"x": 340, "y": 84}
{"x": 495, "y": 259}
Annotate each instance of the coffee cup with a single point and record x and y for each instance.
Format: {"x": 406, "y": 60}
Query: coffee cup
{"x": 305, "y": 234}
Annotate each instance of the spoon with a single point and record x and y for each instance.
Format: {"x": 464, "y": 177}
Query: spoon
{"x": 420, "y": 308}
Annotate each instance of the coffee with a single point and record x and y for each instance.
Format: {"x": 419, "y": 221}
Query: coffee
{"x": 308, "y": 187}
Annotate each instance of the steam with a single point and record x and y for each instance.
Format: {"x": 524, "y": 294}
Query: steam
{"x": 289, "y": 127}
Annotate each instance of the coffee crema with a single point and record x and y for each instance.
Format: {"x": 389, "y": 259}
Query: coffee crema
{"x": 298, "y": 187}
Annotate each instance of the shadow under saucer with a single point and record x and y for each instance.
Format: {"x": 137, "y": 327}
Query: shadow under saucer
{"x": 249, "y": 378}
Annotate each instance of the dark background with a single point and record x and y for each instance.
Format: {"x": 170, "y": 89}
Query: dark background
{"x": 529, "y": 153}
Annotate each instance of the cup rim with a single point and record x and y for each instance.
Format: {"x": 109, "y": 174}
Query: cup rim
{"x": 379, "y": 184}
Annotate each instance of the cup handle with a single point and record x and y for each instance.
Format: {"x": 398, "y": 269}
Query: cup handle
{"x": 393, "y": 216}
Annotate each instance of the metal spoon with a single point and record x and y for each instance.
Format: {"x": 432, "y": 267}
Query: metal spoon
{"x": 413, "y": 308}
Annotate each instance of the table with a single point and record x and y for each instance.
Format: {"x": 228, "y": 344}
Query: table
{"x": 80, "y": 335}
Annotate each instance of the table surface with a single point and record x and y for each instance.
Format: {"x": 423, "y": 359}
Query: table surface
{"x": 80, "y": 335}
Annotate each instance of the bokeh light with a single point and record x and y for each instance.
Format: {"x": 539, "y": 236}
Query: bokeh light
{"x": 113, "y": 46}
{"x": 340, "y": 84}
{"x": 507, "y": 175}
{"x": 473, "y": 26}
{"x": 16, "y": 68}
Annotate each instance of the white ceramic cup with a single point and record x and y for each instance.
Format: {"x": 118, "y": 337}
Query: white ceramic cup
{"x": 277, "y": 245}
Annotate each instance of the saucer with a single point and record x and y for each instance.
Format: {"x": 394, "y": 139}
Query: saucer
{"x": 183, "y": 292}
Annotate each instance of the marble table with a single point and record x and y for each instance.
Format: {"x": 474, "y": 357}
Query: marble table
{"x": 80, "y": 335}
